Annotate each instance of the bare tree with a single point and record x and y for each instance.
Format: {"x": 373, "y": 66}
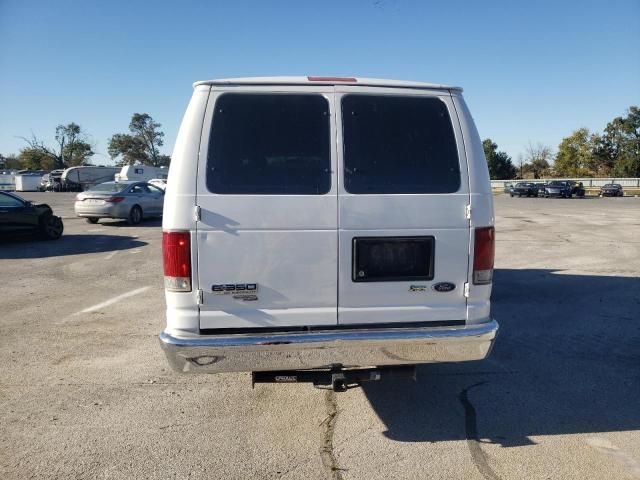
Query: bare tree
{"x": 537, "y": 159}
{"x": 73, "y": 146}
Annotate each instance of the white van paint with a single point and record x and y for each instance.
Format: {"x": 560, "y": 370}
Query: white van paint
{"x": 299, "y": 249}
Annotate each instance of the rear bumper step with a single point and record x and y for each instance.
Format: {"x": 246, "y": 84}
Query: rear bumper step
{"x": 328, "y": 349}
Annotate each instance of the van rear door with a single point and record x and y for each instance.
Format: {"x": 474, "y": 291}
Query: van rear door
{"x": 267, "y": 198}
{"x": 403, "y": 196}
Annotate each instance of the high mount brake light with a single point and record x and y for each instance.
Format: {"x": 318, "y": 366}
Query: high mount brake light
{"x": 176, "y": 256}
{"x": 483, "y": 255}
{"x": 333, "y": 79}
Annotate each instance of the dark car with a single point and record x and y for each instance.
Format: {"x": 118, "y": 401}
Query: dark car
{"x": 20, "y": 217}
{"x": 522, "y": 188}
{"x": 563, "y": 189}
{"x": 540, "y": 188}
{"x": 611, "y": 190}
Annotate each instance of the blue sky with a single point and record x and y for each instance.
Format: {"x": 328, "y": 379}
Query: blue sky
{"x": 532, "y": 71}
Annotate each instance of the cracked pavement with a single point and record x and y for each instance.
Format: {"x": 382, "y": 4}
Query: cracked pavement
{"x": 90, "y": 395}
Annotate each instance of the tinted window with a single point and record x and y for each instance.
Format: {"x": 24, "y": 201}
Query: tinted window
{"x": 9, "y": 201}
{"x": 398, "y": 145}
{"x": 108, "y": 187}
{"x": 270, "y": 144}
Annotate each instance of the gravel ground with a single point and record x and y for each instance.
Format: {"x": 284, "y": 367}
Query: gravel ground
{"x": 85, "y": 391}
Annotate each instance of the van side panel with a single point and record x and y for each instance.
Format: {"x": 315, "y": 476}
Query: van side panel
{"x": 182, "y": 308}
{"x": 478, "y": 302}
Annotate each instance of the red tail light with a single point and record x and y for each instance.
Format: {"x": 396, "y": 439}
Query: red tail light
{"x": 484, "y": 253}
{"x": 114, "y": 199}
{"x": 176, "y": 255}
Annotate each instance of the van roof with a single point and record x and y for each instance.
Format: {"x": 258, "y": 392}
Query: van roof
{"x": 311, "y": 80}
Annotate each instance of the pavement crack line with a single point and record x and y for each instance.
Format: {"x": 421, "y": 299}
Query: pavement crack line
{"x": 328, "y": 427}
{"x": 473, "y": 441}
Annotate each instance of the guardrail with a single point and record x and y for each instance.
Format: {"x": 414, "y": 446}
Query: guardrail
{"x": 587, "y": 182}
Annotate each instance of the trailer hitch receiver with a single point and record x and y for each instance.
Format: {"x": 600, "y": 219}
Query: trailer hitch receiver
{"x": 339, "y": 379}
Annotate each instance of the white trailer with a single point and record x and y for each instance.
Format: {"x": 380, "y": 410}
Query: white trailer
{"x": 142, "y": 173}
{"x": 28, "y": 182}
{"x": 81, "y": 178}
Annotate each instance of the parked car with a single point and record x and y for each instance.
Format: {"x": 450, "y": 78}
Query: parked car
{"x": 577, "y": 188}
{"x": 563, "y": 189}
{"x": 21, "y": 217}
{"x": 132, "y": 201}
{"x": 507, "y": 187}
{"x": 539, "y": 188}
{"x": 260, "y": 273}
{"x": 54, "y": 181}
{"x": 159, "y": 182}
{"x": 611, "y": 190}
{"x": 522, "y": 188}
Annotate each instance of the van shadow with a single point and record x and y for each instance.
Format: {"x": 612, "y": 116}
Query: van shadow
{"x": 66, "y": 245}
{"x": 566, "y": 361}
{"x": 146, "y": 223}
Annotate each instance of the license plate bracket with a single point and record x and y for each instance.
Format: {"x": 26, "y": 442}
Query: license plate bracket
{"x": 393, "y": 259}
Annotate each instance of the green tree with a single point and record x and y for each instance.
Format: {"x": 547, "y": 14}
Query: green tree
{"x": 35, "y": 159}
{"x": 621, "y": 143}
{"x": 499, "y": 163}
{"x": 601, "y": 156}
{"x": 142, "y": 145}
{"x": 10, "y": 162}
{"x": 575, "y": 155}
{"x": 73, "y": 147}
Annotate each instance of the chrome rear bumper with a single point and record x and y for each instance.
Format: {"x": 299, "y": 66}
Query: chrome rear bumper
{"x": 322, "y": 349}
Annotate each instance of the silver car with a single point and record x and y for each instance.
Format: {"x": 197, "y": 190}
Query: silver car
{"x": 129, "y": 200}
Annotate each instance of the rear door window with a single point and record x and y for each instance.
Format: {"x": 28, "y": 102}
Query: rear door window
{"x": 395, "y": 145}
{"x": 270, "y": 144}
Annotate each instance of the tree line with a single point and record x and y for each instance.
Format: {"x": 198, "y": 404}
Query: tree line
{"x": 73, "y": 147}
{"x": 613, "y": 153}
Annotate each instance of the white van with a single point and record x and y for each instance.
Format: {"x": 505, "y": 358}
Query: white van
{"x": 326, "y": 223}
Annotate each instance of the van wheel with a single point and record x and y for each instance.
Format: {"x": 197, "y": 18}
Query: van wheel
{"x": 135, "y": 215}
{"x": 92, "y": 220}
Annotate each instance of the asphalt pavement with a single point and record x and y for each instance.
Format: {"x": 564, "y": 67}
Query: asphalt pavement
{"x": 85, "y": 391}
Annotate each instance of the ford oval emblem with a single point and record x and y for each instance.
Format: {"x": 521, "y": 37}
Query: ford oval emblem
{"x": 444, "y": 287}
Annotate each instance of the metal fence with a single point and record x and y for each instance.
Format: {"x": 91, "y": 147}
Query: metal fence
{"x": 587, "y": 182}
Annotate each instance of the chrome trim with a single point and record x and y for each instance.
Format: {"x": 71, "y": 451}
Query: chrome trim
{"x": 321, "y": 349}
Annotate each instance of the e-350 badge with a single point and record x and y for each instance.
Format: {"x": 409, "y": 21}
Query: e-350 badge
{"x": 240, "y": 291}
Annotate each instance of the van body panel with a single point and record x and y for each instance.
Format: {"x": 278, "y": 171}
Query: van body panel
{"x": 482, "y": 213}
{"x": 183, "y": 314}
{"x": 441, "y": 216}
{"x": 338, "y": 259}
{"x": 285, "y": 244}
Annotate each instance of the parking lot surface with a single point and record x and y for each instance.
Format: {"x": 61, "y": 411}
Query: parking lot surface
{"x": 85, "y": 391}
